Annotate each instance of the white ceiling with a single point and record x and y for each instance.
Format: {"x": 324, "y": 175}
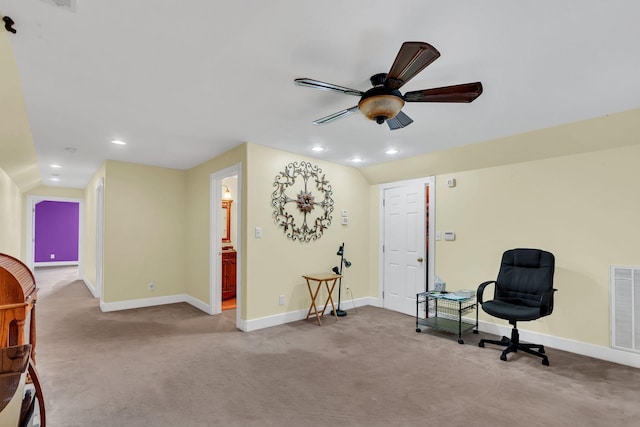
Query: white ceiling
{"x": 182, "y": 82}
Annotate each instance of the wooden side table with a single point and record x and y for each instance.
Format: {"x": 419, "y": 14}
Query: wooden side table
{"x": 319, "y": 279}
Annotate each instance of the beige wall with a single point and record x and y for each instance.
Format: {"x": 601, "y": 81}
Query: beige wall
{"x": 275, "y": 263}
{"x": 17, "y": 153}
{"x": 63, "y": 192}
{"x": 611, "y": 131}
{"x": 581, "y": 207}
{"x": 198, "y": 220}
{"x": 10, "y": 216}
{"x": 144, "y": 231}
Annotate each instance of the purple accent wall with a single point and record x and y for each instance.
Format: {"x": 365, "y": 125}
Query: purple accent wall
{"x": 56, "y": 231}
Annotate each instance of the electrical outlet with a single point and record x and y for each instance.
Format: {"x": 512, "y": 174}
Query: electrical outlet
{"x": 52, "y": 256}
{"x": 151, "y": 286}
{"x": 281, "y": 300}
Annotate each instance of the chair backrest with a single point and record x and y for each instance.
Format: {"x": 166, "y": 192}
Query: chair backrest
{"x": 525, "y": 274}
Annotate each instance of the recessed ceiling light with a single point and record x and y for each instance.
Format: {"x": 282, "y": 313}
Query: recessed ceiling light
{"x": 54, "y": 178}
{"x": 318, "y": 148}
{"x": 391, "y": 151}
{"x": 55, "y": 166}
{"x": 357, "y": 160}
{"x": 70, "y": 149}
{"x": 118, "y": 142}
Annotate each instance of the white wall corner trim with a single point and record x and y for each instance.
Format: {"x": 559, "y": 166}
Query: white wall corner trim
{"x": 90, "y": 286}
{"x": 200, "y": 305}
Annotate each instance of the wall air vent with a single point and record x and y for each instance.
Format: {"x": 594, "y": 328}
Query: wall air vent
{"x": 64, "y": 4}
{"x": 625, "y": 308}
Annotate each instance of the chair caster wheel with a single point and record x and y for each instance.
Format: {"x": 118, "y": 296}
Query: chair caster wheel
{"x": 418, "y": 330}
{"x": 545, "y": 361}
{"x": 503, "y": 357}
{"x": 460, "y": 341}
{"x": 481, "y": 344}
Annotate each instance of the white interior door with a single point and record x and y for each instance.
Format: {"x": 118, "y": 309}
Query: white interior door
{"x": 404, "y": 250}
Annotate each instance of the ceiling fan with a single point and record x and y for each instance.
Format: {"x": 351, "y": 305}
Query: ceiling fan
{"x": 383, "y": 102}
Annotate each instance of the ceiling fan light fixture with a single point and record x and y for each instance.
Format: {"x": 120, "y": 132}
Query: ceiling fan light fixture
{"x": 381, "y": 107}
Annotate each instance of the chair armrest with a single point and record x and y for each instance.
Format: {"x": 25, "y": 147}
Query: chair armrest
{"x": 481, "y": 290}
{"x": 546, "y": 302}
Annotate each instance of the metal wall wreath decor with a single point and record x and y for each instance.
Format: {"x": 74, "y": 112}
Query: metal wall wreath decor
{"x": 314, "y": 212}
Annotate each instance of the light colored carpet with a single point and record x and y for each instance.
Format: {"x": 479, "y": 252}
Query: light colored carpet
{"x": 176, "y": 366}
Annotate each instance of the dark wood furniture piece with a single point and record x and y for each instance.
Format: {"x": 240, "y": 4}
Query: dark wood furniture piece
{"x": 228, "y": 274}
{"x": 18, "y": 295}
{"x": 16, "y": 405}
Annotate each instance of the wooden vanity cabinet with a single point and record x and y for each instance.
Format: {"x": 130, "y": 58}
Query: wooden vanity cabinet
{"x": 228, "y": 274}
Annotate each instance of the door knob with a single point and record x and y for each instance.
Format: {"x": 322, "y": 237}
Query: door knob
{"x": 420, "y": 259}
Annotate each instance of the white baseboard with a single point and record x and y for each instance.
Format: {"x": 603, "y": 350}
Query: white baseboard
{"x": 200, "y": 305}
{"x": 54, "y": 264}
{"x": 565, "y": 344}
{"x": 150, "y": 302}
{"x": 293, "y": 316}
{"x": 90, "y": 286}
{"x": 140, "y": 303}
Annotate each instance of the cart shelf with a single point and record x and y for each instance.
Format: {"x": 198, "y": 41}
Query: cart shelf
{"x": 444, "y": 312}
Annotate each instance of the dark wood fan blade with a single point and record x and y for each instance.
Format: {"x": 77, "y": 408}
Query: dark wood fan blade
{"x": 412, "y": 58}
{"x": 399, "y": 121}
{"x": 336, "y": 116}
{"x": 316, "y": 84}
{"x": 458, "y": 93}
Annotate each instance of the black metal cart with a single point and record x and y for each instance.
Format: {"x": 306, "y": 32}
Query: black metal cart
{"x": 444, "y": 312}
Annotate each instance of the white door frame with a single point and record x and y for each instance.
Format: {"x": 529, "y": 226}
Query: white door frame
{"x": 99, "y": 254}
{"x": 215, "y": 249}
{"x": 32, "y": 201}
{"x": 431, "y": 183}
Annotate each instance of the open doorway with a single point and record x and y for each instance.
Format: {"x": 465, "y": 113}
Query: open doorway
{"x": 225, "y": 248}
{"x": 229, "y": 238}
{"x": 54, "y": 228}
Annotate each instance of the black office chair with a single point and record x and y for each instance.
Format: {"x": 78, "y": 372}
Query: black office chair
{"x": 523, "y": 291}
